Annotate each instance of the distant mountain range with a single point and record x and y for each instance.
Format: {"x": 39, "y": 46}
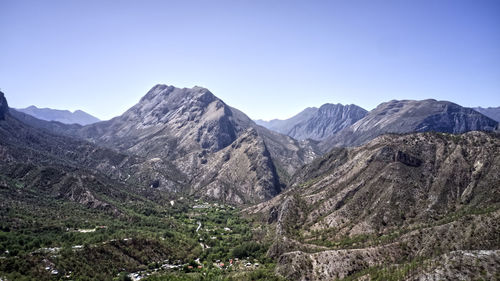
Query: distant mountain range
{"x": 63, "y": 116}
{"x": 350, "y": 125}
{"x": 492, "y": 112}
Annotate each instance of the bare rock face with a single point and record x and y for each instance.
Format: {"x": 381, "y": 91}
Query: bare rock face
{"x": 247, "y": 164}
{"x": 287, "y": 153}
{"x": 407, "y": 116}
{"x": 4, "y": 107}
{"x": 170, "y": 122}
{"x": 317, "y": 123}
{"x": 329, "y": 119}
{"x": 393, "y": 199}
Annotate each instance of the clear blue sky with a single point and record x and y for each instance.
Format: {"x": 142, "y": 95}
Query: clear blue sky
{"x": 269, "y": 58}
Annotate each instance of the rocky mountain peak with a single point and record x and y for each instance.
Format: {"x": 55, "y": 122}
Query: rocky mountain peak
{"x": 163, "y": 104}
{"x": 176, "y": 95}
{"x": 329, "y": 119}
{"x": 317, "y": 123}
{"x": 174, "y": 121}
{"x": 159, "y": 89}
{"x": 339, "y": 110}
{"x": 201, "y": 135}
{"x": 329, "y": 108}
{"x": 406, "y": 116}
{"x": 4, "y": 107}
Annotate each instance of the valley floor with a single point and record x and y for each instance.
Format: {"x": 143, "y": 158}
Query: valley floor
{"x": 184, "y": 240}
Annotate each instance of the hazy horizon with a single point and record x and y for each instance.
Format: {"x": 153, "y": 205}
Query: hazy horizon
{"x": 269, "y": 59}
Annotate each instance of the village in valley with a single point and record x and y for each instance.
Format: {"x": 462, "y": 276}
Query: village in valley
{"x": 185, "y": 239}
{"x": 225, "y": 240}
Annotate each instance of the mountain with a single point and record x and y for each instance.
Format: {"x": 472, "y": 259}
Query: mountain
{"x": 407, "y": 116}
{"x": 492, "y": 112}
{"x": 317, "y": 123}
{"x": 284, "y": 126}
{"x": 72, "y": 169}
{"x": 51, "y": 126}
{"x": 415, "y": 200}
{"x": 63, "y": 116}
{"x": 72, "y": 209}
{"x": 190, "y": 129}
{"x": 203, "y": 137}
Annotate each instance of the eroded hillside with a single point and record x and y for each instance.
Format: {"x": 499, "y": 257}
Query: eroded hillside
{"x": 395, "y": 200}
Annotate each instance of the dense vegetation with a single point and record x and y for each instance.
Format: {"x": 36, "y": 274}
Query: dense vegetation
{"x": 48, "y": 239}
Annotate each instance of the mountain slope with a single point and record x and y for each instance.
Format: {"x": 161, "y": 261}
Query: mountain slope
{"x": 72, "y": 169}
{"x": 284, "y": 126}
{"x": 240, "y": 173}
{"x": 186, "y": 128}
{"x": 63, "y": 116}
{"x": 408, "y": 116}
{"x": 51, "y": 126}
{"x": 317, "y": 123}
{"x": 394, "y": 199}
{"x": 191, "y": 128}
{"x": 72, "y": 209}
{"x": 492, "y": 112}
{"x": 329, "y": 119}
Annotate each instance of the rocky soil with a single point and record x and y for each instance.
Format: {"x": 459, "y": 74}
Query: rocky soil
{"x": 397, "y": 198}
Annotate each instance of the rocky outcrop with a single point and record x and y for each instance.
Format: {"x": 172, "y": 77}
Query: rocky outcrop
{"x": 245, "y": 164}
{"x": 287, "y": 153}
{"x": 411, "y": 173}
{"x": 169, "y": 122}
{"x": 328, "y": 120}
{"x": 317, "y": 123}
{"x": 407, "y": 116}
{"x": 4, "y": 107}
